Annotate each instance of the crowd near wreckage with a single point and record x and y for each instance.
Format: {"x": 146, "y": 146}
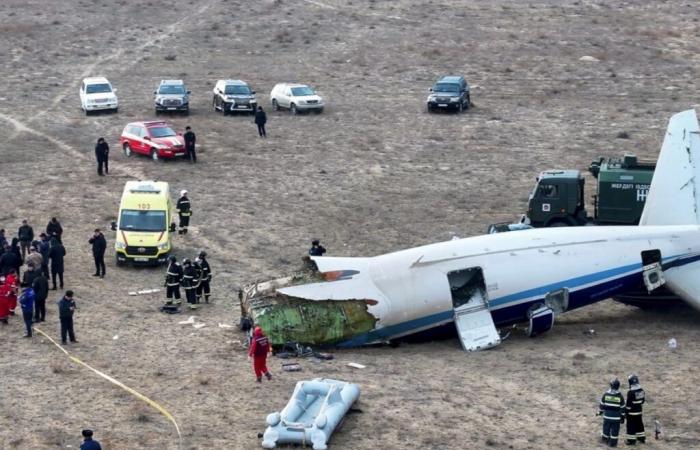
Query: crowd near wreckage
{"x": 496, "y": 280}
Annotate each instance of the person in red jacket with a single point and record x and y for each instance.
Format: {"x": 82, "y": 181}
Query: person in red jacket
{"x": 12, "y": 282}
{"x": 4, "y": 300}
{"x": 259, "y": 348}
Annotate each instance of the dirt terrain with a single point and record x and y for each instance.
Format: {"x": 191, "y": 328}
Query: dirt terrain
{"x": 374, "y": 173}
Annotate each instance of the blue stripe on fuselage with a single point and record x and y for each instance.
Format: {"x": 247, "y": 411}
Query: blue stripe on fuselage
{"x": 517, "y": 312}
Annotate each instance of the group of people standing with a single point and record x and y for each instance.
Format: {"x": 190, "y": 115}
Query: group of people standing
{"x": 193, "y": 277}
{"x": 615, "y": 410}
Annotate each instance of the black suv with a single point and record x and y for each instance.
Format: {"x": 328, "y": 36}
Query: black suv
{"x": 451, "y": 92}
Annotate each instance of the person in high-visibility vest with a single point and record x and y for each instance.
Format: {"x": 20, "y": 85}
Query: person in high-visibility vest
{"x": 184, "y": 210}
{"x": 612, "y": 407}
{"x": 259, "y": 348}
{"x": 635, "y": 400}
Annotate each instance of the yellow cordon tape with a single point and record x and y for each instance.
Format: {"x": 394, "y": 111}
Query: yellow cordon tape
{"x": 153, "y": 404}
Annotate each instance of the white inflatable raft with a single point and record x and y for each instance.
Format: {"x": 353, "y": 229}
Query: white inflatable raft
{"x": 312, "y": 414}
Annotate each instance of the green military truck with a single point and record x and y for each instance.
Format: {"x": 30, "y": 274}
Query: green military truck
{"x": 622, "y": 186}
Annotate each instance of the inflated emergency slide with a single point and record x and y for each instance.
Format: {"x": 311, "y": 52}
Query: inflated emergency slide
{"x": 316, "y": 408}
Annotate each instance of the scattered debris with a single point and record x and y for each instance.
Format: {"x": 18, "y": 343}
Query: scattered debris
{"x": 672, "y": 343}
{"x": 657, "y": 428}
{"x": 623, "y": 135}
{"x": 671, "y": 88}
{"x": 291, "y": 367}
{"x": 590, "y": 332}
{"x": 115, "y": 337}
{"x": 188, "y": 321}
{"x": 144, "y": 291}
{"x": 588, "y": 58}
{"x": 356, "y": 365}
{"x": 198, "y": 325}
{"x": 225, "y": 325}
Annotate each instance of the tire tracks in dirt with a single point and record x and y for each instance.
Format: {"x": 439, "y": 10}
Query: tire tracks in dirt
{"x": 366, "y": 14}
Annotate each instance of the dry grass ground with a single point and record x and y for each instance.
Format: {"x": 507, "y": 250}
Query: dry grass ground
{"x": 372, "y": 174}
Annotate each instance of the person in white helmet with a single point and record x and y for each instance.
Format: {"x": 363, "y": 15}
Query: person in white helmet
{"x": 184, "y": 210}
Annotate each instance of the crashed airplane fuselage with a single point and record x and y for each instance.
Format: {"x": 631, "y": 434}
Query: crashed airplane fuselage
{"x": 499, "y": 279}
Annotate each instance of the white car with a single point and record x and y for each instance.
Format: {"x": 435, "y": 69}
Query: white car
{"x": 296, "y": 98}
{"x": 97, "y": 94}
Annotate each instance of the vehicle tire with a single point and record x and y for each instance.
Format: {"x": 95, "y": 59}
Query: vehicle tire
{"x": 213, "y": 103}
{"x": 460, "y": 108}
{"x": 127, "y": 150}
{"x": 117, "y": 262}
{"x": 115, "y": 110}
{"x": 275, "y": 106}
{"x": 293, "y": 109}
{"x": 318, "y": 111}
{"x": 224, "y": 106}
{"x": 467, "y": 104}
{"x": 154, "y": 155}
{"x": 559, "y": 223}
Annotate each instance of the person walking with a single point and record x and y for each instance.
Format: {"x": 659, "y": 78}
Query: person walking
{"x": 40, "y": 285}
{"x": 635, "y": 400}
{"x": 184, "y": 210}
{"x": 99, "y": 246}
{"x": 66, "y": 309}
{"x": 88, "y": 442}
{"x": 102, "y": 156}
{"x": 260, "y": 121}
{"x": 54, "y": 229}
{"x": 56, "y": 254}
{"x": 25, "y": 234}
{"x": 189, "y": 282}
{"x": 204, "y": 271}
{"x": 43, "y": 247}
{"x": 26, "y": 301}
{"x": 612, "y": 407}
{"x": 259, "y": 348}
{"x": 172, "y": 279}
{"x": 190, "y": 142}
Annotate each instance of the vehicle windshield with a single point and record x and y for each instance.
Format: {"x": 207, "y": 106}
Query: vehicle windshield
{"x": 168, "y": 89}
{"x": 446, "y": 87}
{"x": 237, "y": 89}
{"x": 98, "y": 88}
{"x": 300, "y": 91}
{"x": 159, "y": 132}
{"x": 136, "y": 220}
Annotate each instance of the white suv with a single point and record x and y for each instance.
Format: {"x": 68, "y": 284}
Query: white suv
{"x": 97, "y": 94}
{"x": 296, "y": 98}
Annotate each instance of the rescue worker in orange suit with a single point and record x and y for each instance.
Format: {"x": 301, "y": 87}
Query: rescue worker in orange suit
{"x": 635, "y": 400}
{"x": 612, "y": 407}
{"x": 12, "y": 283}
{"x": 259, "y": 348}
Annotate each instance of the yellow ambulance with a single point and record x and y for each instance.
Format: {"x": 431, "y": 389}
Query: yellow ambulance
{"x": 144, "y": 224}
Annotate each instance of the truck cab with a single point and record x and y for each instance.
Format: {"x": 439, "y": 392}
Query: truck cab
{"x": 143, "y": 233}
{"x": 557, "y": 199}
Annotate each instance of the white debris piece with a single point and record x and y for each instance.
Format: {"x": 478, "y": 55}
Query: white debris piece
{"x": 188, "y": 321}
{"x": 588, "y": 59}
{"x": 672, "y": 343}
{"x": 356, "y": 365}
{"x": 115, "y": 337}
{"x": 198, "y": 325}
{"x": 225, "y": 325}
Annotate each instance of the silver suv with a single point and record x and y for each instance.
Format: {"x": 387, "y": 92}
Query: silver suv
{"x": 232, "y": 96}
{"x": 172, "y": 95}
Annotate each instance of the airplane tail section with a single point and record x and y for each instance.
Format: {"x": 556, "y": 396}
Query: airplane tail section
{"x": 674, "y": 195}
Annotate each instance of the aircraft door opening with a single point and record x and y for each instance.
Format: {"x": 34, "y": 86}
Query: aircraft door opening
{"x": 652, "y": 272}
{"x": 472, "y": 316}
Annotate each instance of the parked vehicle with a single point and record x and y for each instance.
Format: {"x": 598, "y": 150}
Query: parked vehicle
{"x": 156, "y": 139}
{"x": 558, "y": 198}
{"x": 172, "y": 95}
{"x": 296, "y": 98}
{"x": 97, "y": 94}
{"x": 144, "y": 223}
{"x": 234, "y": 96}
{"x": 450, "y": 92}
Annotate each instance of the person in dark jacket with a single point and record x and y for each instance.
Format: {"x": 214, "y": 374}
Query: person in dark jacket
{"x": 189, "y": 281}
{"x": 204, "y": 273}
{"x": 66, "y": 309}
{"x": 260, "y": 121}
{"x": 25, "y": 234}
{"x": 184, "y": 210}
{"x": 29, "y": 275}
{"x": 43, "y": 247}
{"x": 190, "y": 142}
{"x": 56, "y": 254}
{"x": 88, "y": 442}
{"x": 612, "y": 407}
{"x": 259, "y": 348}
{"x": 635, "y": 400}
{"x": 26, "y": 301}
{"x": 316, "y": 248}
{"x": 99, "y": 246}
{"x": 40, "y": 285}
{"x": 8, "y": 260}
{"x": 172, "y": 279}
{"x": 3, "y": 240}
{"x": 14, "y": 248}
{"x": 54, "y": 229}
{"x": 102, "y": 156}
